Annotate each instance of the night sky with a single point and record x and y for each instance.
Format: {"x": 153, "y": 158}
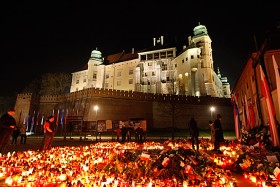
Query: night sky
{"x": 39, "y": 37}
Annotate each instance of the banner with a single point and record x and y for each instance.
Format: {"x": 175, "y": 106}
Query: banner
{"x": 248, "y": 120}
{"x": 270, "y": 110}
{"x": 237, "y": 122}
{"x": 277, "y": 78}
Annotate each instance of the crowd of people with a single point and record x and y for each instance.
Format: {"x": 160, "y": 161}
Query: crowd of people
{"x": 217, "y": 136}
{"x": 10, "y": 129}
{"x": 126, "y": 133}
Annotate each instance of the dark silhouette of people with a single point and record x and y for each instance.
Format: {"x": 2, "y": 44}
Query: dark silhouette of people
{"x": 7, "y": 125}
{"x": 23, "y": 136}
{"x": 123, "y": 131}
{"x": 194, "y": 132}
{"x": 219, "y": 135}
{"x": 139, "y": 134}
{"x": 15, "y": 135}
{"x": 211, "y": 125}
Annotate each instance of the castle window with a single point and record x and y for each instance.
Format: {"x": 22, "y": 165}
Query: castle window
{"x": 186, "y": 59}
{"x": 192, "y": 57}
{"x": 85, "y": 80}
{"x": 106, "y": 85}
{"x": 130, "y": 81}
{"x": 143, "y": 57}
{"x": 77, "y": 81}
{"x": 153, "y": 74}
{"x": 107, "y": 76}
{"x": 156, "y": 55}
{"x": 169, "y": 53}
{"x": 162, "y": 54}
{"x": 150, "y": 56}
{"x": 130, "y": 72}
{"x": 119, "y": 73}
{"x": 175, "y": 65}
{"x": 94, "y": 76}
{"x": 183, "y": 61}
{"x": 119, "y": 83}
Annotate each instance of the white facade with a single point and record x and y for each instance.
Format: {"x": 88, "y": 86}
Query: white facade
{"x": 157, "y": 70}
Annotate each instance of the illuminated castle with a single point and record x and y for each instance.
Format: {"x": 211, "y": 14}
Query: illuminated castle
{"x": 159, "y": 69}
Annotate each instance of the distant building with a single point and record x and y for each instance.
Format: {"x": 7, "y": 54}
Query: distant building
{"x": 159, "y": 69}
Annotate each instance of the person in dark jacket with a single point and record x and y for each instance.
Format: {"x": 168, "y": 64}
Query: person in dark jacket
{"x": 23, "y": 135}
{"x": 219, "y": 135}
{"x": 15, "y": 136}
{"x": 49, "y": 131}
{"x": 194, "y": 132}
{"x": 123, "y": 132}
{"x": 7, "y": 125}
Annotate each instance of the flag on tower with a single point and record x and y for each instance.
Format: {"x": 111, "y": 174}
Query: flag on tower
{"x": 270, "y": 110}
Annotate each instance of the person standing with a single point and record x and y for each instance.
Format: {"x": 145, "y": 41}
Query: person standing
{"x": 141, "y": 132}
{"x": 219, "y": 135}
{"x": 15, "y": 136}
{"x": 194, "y": 132}
{"x": 49, "y": 131}
{"x": 123, "y": 131}
{"x": 23, "y": 136}
{"x": 212, "y": 129}
{"x": 118, "y": 133}
{"x": 7, "y": 125}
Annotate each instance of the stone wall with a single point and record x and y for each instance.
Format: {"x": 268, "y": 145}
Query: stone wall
{"x": 157, "y": 109}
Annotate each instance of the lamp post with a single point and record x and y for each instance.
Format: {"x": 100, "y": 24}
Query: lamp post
{"x": 96, "y": 110}
{"x": 212, "y": 109}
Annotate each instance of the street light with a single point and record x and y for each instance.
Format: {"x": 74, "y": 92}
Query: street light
{"x": 212, "y": 109}
{"x": 96, "y": 110}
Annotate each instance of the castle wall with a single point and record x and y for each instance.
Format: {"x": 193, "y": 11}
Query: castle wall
{"x": 157, "y": 109}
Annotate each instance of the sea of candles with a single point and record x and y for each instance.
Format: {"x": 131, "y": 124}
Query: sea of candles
{"x": 112, "y": 164}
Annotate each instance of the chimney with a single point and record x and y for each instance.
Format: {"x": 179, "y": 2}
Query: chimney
{"x": 189, "y": 40}
{"x": 161, "y": 40}
{"x": 132, "y": 51}
{"x": 154, "y": 41}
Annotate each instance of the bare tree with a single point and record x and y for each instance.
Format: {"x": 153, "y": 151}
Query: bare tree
{"x": 33, "y": 87}
{"x": 55, "y": 84}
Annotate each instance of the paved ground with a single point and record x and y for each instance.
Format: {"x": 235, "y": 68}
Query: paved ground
{"x": 34, "y": 143}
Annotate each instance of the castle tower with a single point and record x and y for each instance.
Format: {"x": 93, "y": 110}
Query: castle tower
{"x": 203, "y": 41}
{"x": 95, "y": 70}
